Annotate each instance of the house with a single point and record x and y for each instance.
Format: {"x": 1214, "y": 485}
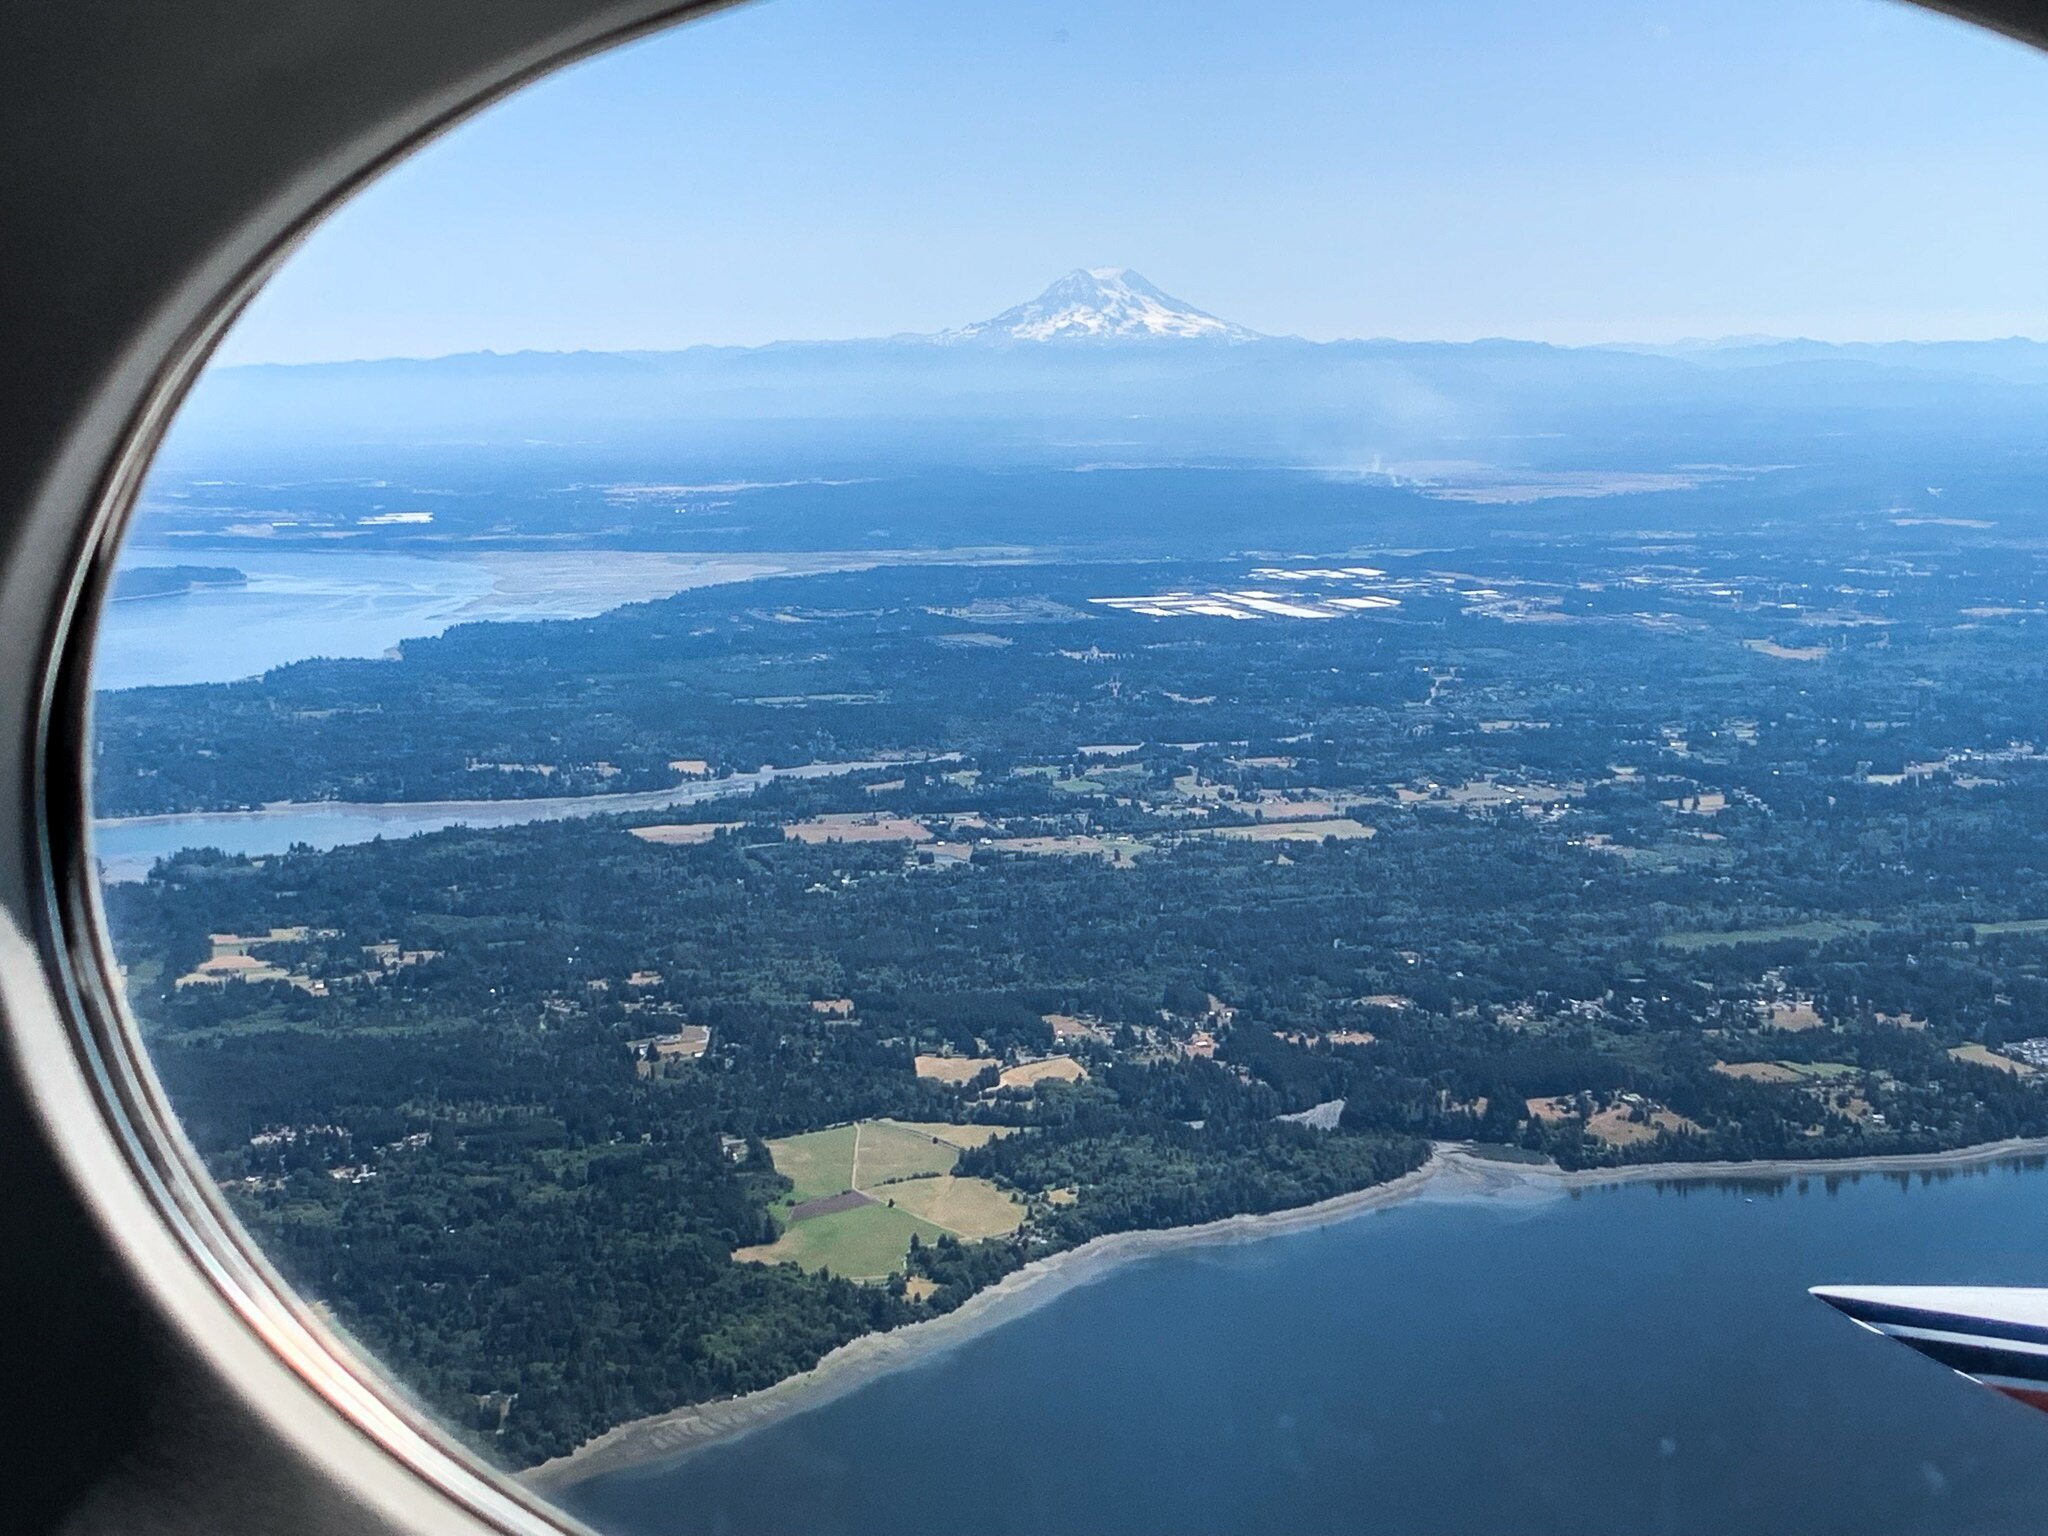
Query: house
{"x": 654, "y": 1051}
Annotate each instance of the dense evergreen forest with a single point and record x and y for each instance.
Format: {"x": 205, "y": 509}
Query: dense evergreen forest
{"x": 1639, "y": 850}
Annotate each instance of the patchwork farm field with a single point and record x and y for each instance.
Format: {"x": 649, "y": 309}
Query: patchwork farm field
{"x": 860, "y": 1192}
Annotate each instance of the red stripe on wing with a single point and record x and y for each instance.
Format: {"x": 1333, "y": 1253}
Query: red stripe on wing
{"x": 2033, "y": 1397}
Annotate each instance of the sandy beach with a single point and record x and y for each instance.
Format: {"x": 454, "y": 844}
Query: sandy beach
{"x": 528, "y": 584}
{"x": 1453, "y": 1172}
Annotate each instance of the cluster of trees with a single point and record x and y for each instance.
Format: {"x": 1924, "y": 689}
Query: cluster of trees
{"x": 605, "y": 704}
{"x": 459, "y": 1154}
{"x": 509, "y": 1190}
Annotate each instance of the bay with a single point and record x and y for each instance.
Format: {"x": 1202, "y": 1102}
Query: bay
{"x": 1631, "y": 1358}
{"x": 299, "y": 604}
{"x": 342, "y": 604}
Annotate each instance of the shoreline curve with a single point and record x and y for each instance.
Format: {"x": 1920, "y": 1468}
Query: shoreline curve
{"x": 1453, "y": 1171}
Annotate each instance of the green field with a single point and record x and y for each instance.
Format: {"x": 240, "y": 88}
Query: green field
{"x": 962, "y": 1136}
{"x": 2019, "y": 925}
{"x": 884, "y": 1150}
{"x": 1103, "y": 781}
{"x": 1822, "y": 1070}
{"x": 869, "y": 1153}
{"x": 1818, "y": 931}
{"x": 890, "y": 1160}
{"x": 867, "y": 1243}
{"x": 818, "y": 1163}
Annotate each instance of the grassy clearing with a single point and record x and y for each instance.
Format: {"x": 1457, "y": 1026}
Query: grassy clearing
{"x": 817, "y": 1163}
{"x": 883, "y": 1151}
{"x": 1787, "y": 652}
{"x": 1795, "y": 1015}
{"x": 1817, "y": 931}
{"x": 968, "y": 1208}
{"x": 2019, "y": 925}
{"x": 1103, "y": 781}
{"x": 1613, "y": 1125}
{"x": 907, "y": 1169}
{"x": 1119, "y": 851}
{"x": 1288, "y": 808}
{"x": 962, "y": 1136}
{"x": 870, "y": 1153}
{"x": 863, "y": 1244}
{"x": 1785, "y": 1071}
{"x": 1984, "y": 1056}
{"x": 952, "y": 1069}
{"x": 1080, "y": 786}
{"x": 1826, "y": 1071}
{"x": 1295, "y": 831}
{"x": 849, "y": 827}
{"x": 1067, "y": 1026}
{"x": 1057, "y": 1069}
{"x": 687, "y": 834}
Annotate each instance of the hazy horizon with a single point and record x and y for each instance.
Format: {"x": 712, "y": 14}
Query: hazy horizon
{"x": 1679, "y": 344}
{"x": 1590, "y": 172}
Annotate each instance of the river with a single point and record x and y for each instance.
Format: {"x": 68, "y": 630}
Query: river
{"x": 126, "y": 847}
{"x": 1627, "y": 1359}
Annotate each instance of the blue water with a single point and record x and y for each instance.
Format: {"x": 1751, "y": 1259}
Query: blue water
{"x": 342, "y": 604}
{"x": 361, "y": 603}
{"x": 127, "y": 847}
{"x": 1628, "y": 1360}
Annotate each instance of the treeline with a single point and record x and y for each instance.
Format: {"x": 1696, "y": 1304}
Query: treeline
{"x": 462, "y": 1154}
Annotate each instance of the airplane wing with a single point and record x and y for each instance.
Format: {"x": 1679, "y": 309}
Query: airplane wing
{"x": 1995, "y": 1335}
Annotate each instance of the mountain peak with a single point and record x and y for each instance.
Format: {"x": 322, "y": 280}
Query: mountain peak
{"x": 1102, "y": 304}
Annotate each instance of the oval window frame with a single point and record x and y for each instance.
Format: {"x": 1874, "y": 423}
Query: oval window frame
{"x": 77, "y": 1054}
{"x": 73, "y": 1044}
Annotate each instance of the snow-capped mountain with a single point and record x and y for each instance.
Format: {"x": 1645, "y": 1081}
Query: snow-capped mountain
{"x": 1101, "y": 304}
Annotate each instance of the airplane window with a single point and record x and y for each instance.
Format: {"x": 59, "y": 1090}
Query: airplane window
{"x": 1140, "y": 768}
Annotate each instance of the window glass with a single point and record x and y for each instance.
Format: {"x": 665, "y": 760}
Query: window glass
{"x": 1139, "y": 768}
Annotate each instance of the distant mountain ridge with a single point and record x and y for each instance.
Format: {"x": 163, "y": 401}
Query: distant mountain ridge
{"x": 1117, "y": 304}
{"x": 1104, "y": 366}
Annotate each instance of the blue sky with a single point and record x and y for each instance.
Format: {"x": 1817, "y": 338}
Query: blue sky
{"x": 1569, "y": 170}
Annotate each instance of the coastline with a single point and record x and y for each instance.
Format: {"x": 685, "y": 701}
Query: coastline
{"x": 1453, "y": 1171}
